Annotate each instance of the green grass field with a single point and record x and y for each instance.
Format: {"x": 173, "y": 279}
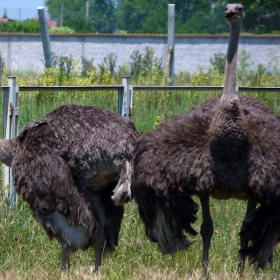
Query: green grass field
{"x": 27, "y": 253}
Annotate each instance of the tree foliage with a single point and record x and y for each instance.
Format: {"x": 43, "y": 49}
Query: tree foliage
{"x": 150, "y": 16}
{"x": 262, "y": 16}
{"x": 84, "y": 16}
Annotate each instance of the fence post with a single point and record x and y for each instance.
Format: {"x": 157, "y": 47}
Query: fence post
{"x": 45, "y": 37}
{"x": 237, "y": 90}
{"x": 170, "y": 44}
{"x": 120, "y": 100}
{"x": 125, "y": 105}
{"x": 10, "y": 117}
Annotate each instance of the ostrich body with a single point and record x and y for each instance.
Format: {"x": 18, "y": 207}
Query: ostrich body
{"x": 226, "y": 147}
{"x": 65, "y": 166}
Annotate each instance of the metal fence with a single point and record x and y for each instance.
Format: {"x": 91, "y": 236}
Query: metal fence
{"x": 255, "y": 22}
{"x": 193, "y": 53}
{"x": 35, "y": 102}
{"x": 18, "y": 14}
{"x": 151, "y": 105}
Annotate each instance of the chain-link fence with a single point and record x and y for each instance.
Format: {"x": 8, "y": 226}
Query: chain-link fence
{"x": 18, "y": 14}
{"x": 193, "y": 53}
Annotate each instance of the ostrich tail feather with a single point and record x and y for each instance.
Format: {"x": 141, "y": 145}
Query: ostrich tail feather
{"x": 166, "y": 222}
{"x": 122, "y": 192}
{"x": 262, "y": 228}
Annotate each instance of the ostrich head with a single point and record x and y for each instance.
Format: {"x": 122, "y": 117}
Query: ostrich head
{"x": 234, "y": 13}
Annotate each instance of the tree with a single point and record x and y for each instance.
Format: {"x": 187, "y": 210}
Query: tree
{"x": 262, "y": 16}
{"x": 150, "y": 16}
{"x": 192, "y": 16}
{"x": 84, "y": 16}
{"x": 102, "y": 16}
{"x": 131, "y": 14}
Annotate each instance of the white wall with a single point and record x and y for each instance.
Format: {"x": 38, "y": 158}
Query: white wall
{"x": 25, "y": 52}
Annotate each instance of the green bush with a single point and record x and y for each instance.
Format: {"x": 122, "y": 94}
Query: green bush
{"x": 29, "y": 26}
{"x": 62, "y": 30}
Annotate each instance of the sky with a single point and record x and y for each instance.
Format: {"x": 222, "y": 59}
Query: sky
{"x": 20, "y": 9}
{"x": 23, "y": 4}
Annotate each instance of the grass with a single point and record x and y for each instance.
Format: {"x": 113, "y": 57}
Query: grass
{"x": 147, "y": 105}
{"x": 35, "y": 105}
{"x": 164, "y": 104}
{"x": 27, "y": 253}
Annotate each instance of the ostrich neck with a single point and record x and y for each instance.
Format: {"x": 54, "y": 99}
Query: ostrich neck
{"x": 230, "y": 68}
{"x": 228, "y": 137}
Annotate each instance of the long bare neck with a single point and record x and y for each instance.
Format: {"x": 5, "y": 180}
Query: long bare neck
{"x": 231, "y": 61}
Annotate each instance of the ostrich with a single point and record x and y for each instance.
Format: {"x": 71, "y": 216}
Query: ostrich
{"x": 226, "y": 147}
{"x": 65, "y": 166}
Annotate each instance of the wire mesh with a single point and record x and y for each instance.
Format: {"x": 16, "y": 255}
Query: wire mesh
{"x": 36, "y": 104}
{"x": 269, "y": 96}
{"x": 192, "y": 53}
{"x": 151, "y": 107}
{"x": 1, "y": 115}
{"x": 18, "y": 14}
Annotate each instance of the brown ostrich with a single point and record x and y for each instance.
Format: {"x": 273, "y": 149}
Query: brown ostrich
{"x": 226, "y": 147}
{"x": 65, "y": 166}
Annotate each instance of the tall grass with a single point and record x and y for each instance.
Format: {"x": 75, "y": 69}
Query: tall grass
{"x": 34, "y": 105}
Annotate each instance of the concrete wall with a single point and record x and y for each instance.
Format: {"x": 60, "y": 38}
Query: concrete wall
{"x": 23, "y": 52}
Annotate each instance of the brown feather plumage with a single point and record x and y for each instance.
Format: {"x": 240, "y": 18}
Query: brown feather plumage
{"x": 66, "y": 165}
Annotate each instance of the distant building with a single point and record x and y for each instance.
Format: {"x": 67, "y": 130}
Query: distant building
{"x": 51, "y": 23}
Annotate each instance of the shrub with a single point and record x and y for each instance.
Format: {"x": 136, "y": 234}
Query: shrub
{"x": 29, "y": 26}
{"x": 62, "y": 30}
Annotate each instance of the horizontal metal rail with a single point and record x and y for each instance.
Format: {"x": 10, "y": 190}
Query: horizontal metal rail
{"x": 140, "y": 88}
{"x": 270, "y": 89}
{"x": 202, "y": 88}
{"x": 173, "y": 88}
{"x": 68, "y": 88}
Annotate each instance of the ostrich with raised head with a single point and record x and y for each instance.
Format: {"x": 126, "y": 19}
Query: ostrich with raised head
{"x": 65, "y": 166}
{"x": 226, "y": 147}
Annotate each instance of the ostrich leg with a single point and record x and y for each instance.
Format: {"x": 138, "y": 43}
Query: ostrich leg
{"x": 65, "y": 260}
{"x": 243, "y": 239}
{"x": 98, "y": 256}
{"x": 206, "y": 231}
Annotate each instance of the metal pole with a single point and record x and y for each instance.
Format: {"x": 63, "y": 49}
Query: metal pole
{"x": 126, "y": 108}
{"x": 170, "y": 44}
{"x": 120, "y": 100}
{"x": 45, "y": 37}
{"x": 61, "y": 15}
{"x": 87, "y": 10}
{"x": 237, "y": 90}
{"x": 10, "y": 132}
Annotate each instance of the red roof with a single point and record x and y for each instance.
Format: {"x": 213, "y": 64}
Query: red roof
{"x": 51, "y": 23}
